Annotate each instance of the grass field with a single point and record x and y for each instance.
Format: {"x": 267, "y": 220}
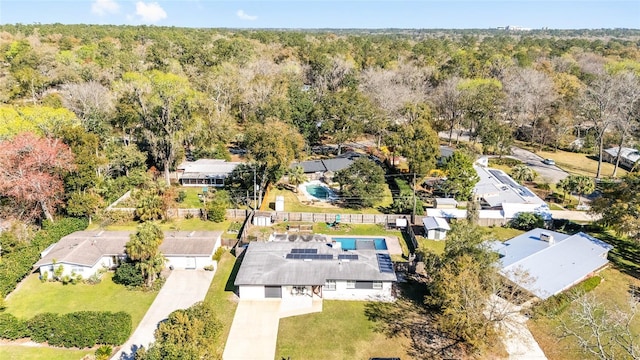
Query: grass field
{"x": 221, "y": 297}
{"x": 34, "y": 297}
{"x": 191, "y": 201}
{"x": 292, "y": 204}
{"x": 11, "y": 352}
{"x": 612, "y": 291}
{"x": 340, "y": 331}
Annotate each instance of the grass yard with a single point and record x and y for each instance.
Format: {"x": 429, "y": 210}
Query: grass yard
{"x": 34, "y": 297}
{"x": 12, "y": 352}
{"x": 292, "y": 204}
{"x": 355, "y": 229}
{"x": 191, "y": 201}
{"x": 613, "y": 290}
{"x": 340, "y": 331}
{"x": 221, "y": 296}
{"x": 435, "y": 246}
{"x": 501, "y": 233}
{"x": 576, "y": 163}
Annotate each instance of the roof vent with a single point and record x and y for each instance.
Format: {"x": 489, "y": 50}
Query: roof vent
{"x": 547, "y": 238}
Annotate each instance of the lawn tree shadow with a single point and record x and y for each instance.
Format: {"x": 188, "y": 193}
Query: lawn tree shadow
{"x": 408, "y": 316}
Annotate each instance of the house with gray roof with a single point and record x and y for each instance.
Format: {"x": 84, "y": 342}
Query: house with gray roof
{"x": 316, "y": 269}
{"x": 628, "y": 156}
{"x": 545, "y": 262}
{"x": 86, "y": 252}
{"x": 317, "y": 169}
{"x": 205, "y": 172}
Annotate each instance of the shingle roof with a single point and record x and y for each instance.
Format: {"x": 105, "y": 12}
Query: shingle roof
{"x": 551, "y": 267}
{"x": 88, "y": 247}
{"x": 207, "y": 167}
{"x": 266, "y": 264}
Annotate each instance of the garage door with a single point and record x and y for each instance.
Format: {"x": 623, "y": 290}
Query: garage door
{"x": 191, "y": 263}
{"x": 273, "y": 292}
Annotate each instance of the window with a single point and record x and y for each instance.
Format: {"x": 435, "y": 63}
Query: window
{"x": 330, "y": 285}
{"x": 351, "y": 284}
{"x": 377, "y": 285}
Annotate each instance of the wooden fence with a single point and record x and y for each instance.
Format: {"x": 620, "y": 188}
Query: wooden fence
{"x": 383, "y": 219}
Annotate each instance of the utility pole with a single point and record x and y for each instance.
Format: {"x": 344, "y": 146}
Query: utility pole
{"x": 255, "y": 188}
{"x": 415, "y": 201}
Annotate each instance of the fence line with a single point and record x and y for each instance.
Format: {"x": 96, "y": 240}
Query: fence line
{"x": 382, "y": 219}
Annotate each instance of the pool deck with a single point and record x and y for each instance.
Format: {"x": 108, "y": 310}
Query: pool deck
{"x": 393, "y": 243}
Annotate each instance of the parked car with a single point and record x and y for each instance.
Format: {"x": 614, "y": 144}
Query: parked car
{"x": 549, "y": 161}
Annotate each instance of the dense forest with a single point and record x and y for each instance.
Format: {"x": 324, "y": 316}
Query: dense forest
{"x": 98, "y": 106}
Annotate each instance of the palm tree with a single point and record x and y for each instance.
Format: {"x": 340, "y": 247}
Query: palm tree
{"x": 296, "y": 176}
{"x": 582, "y": 184}
{"x": 522, "y": 173}
{"x": 143, "y": 249}
{"x": 564, "y": 185}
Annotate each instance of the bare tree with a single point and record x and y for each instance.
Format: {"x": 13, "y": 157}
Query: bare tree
{"x": 448, "y": 101}
{"x": 90, "y": 101}
{"x": 627, "y": 110}
{"x": 602, "y": 331}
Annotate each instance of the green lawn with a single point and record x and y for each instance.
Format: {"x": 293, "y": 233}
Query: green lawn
{"x": 613, "y": 290}
{"x": 33, "y": 297}
{"x": 40, "y": 353}
{"x": 340, "y": 331}
{"x": 191, "y": 201}
{"x": 434, "y": 246}
{"x": 221, "y": 296}
{"x": 501, "y": 233}
{"x": 292, "y": 204}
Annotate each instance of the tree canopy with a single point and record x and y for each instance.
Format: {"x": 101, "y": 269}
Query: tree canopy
{"x": 362, "y": 184}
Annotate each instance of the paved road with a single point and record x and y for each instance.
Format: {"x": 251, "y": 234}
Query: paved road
{"x": 550, "y": 173}
{"x": 182, "y": 289}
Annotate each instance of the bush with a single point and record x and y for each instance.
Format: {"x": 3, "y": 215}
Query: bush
{"x": 527, "y": 221}
{"x": 217, "y": 211}
{"x": 181, "y": 196}
{"x": 115, "y": 217}
{"x": 510, "y": 162}
{"x": 127, "y": 274}
{"x": 103, "y": 352}
{"x": 188, "y": 216}
{"x": 12, "y": 328}
{"x": 80, "y": 329}
{"x": 557, "y": 304}
{"x": 218, "y": 254}
{"x": 18, "y": 264}
{"x": 209, "y": 268}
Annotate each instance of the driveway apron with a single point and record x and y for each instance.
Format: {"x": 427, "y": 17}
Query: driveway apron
{"x": 182, "y": 289}
{"x": 254, "y": 331}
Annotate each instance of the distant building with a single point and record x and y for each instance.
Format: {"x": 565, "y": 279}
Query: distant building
{"x": 628, "y": 156}
{"x": 205, "y": 172}
{"x": 545, "y": 262}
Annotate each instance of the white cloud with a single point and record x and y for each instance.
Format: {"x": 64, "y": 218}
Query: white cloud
{"x": 244, "y": 16}
{"x": 104, "y": 7}
{"x": 150, "y": 12}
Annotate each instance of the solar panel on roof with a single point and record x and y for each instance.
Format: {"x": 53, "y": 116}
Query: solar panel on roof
{"x": 384, "y": 263}
{"x": 304, "y": 251}
{"x": 309, "y": 256}
{"x": 347, "y": 257}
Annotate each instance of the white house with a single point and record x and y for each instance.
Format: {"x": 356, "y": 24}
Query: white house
{"x": 205, "y": 172}
{"x": 546, "y": 263}
{"x": 85, "y": 252}
{"x": 628, "y": 156}
{"x": 435, "y": 227}
{"x": 314, "y": 269}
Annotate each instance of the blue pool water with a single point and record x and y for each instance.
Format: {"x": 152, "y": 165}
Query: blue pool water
{"x": 349, "y": 243}
{"x": 317, "y": 191}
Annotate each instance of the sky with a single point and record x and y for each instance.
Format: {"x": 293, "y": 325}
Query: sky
{"x": 313, "y": 14}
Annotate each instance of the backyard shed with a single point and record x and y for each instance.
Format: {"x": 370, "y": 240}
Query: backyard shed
{"x": 435, "y": 228}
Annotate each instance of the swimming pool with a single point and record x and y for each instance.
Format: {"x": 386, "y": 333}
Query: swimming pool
{"x": 352, "y": 243}
{"x": 318, "y": 191}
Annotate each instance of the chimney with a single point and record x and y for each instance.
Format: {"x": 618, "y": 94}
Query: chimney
{"x": 547, "y": 238}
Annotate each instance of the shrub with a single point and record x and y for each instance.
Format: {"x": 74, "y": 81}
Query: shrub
{"x": 128, "y": 274}
{"x": 209, "y": 268}
{"x": 188, "y": 216}
{"x": 103, "y": 352}
{"x": 527, "y": 221}
{"x": 217, "y": 211}
{"x": 218, "y": 254}
{"x": 116, "y": 217}
{"x": 181, "y": 196}
{"x": 12, "y": 328}
{"x": 510, "y": 162}
{"x": 81, "y": 329}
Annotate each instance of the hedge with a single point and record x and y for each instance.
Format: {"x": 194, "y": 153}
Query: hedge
{"x": 15, "y": 266}
{"x": 80, "y": 329}
{"x": 12, "y": 328}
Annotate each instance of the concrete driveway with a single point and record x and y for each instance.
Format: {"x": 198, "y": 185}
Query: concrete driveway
{"x": 254, "y": 331}
{"x": 182, "y": 289}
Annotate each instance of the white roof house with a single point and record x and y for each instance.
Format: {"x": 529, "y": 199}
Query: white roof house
{"x": 205, "y": 172}
{"x": 628, "y": 156}
{"x": 86, "y": 252}
{"x": 285, "y": 269}
{"x": 435, "y": 227}
{"x": 546, "y": 262}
